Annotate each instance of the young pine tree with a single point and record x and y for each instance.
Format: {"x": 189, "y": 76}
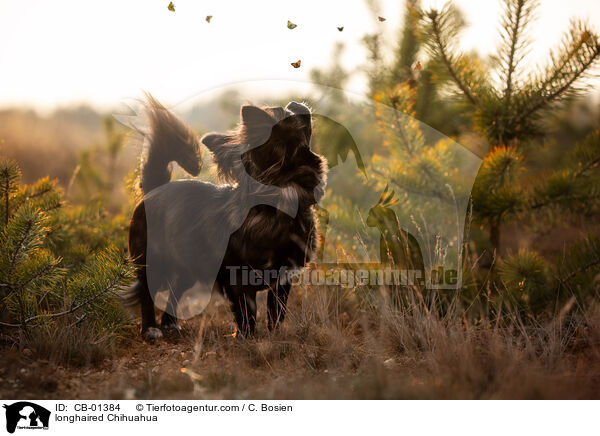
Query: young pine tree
{"x": 509, "y": 105}
{"x": 59, "y": 268}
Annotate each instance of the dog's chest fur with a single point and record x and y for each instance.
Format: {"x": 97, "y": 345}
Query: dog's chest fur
{"x": 270, "y": 239}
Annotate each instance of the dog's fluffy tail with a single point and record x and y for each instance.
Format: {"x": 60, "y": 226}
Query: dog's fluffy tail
{"x": 169, "y": 139}
{"x": 130, "y": 296}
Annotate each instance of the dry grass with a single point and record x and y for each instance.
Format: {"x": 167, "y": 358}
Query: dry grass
{"x": 332, "y": 347}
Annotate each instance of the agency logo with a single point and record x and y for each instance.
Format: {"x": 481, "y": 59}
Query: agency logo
{"x": 26, "y": 415}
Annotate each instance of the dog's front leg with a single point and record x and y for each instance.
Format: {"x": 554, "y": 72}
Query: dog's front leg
{"x": 243, "y": 305}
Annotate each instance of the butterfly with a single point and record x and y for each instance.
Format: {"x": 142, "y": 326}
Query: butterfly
{"x": 585, "y": 36}
{"x": 291, "y": 25}
{"x": 381, "y": 18}
{"x": 296, "y": 64}
{"x": 418, "y": 66}
{"x": 208, "y": 18}
{"x": 340, "y": 28}
{"x": 171, "y": 7}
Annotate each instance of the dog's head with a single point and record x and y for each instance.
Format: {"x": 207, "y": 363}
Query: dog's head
{"x": 271, "y": 144}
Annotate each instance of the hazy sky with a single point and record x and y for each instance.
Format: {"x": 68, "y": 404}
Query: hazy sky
{"x": 59, "y": 52}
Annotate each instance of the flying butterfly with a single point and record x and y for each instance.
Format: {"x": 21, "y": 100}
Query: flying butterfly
{"x": 208, "y": 18}
{"x": 296, "y": 64}
{"x": 171, "y": 7}
{"x": 418, "y": 66}
{"x": 291, "y": 25}
{"x": 340, "y": 28}
{"x": 381, "y": 18}
{"x": 585, "y": 36}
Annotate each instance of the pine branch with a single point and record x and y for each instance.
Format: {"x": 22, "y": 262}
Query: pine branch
{"x": 550, "y": 97}
{"x": 47, "y": 268}
{"x": 572, "y": 66}
{"x": 6, "y": 197}
{"x": 581, "y": 269}
{"x": 575, "y": 185}
{"x": 434, "y": 192}
{"x": 10, "y": 174}
{"x": 525, "y": 276}
{"x": 40, "y": 193}
{"x": 496, "y": 192}
{"x": 589, "y": 165}
{"x": 78, "y": 320}
{"x": 404, "y": 127}
{"x": 408, "y": 45}
{"x": 447, "y": 59}
{"x": 400, "y": 128}
{"x": 30, "y": 267}
{"x": 582, "y": 256}
{"x": 553, "y": 201}
{"x": 111, "y": 287}
{"x": 517, "y": 17}
{"x": 19, "y": 247}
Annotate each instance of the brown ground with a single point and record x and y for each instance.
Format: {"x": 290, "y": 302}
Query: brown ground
{"x": 328, "y": 348}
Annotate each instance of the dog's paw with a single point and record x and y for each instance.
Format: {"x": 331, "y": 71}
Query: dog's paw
{"x": 152, "y": 333}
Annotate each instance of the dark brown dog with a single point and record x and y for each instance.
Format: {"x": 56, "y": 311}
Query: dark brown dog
{"x": 188, "y": 232}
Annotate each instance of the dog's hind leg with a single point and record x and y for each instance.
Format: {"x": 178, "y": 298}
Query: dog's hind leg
{"x": 169, "y": 318}
{"x": 137, "y": 249}
{"x": 277, "y": 304}
{"x": 149, "y": 330}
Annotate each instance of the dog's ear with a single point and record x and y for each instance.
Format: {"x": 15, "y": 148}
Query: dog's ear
{"x": 257, "y": 125}
{"x": 255, "y": 116}
{"x": 213, "y": 140}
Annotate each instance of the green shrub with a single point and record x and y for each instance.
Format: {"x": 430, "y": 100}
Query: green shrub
{"x": 60, "y": 266}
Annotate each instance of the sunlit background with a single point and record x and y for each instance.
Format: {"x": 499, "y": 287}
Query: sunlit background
{"x": 67, "y": 52}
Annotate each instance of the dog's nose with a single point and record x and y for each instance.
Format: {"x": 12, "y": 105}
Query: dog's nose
{"x": 298, "y": 108}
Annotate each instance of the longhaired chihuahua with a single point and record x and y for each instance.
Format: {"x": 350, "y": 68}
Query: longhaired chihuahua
{"x": 189, "y": 233}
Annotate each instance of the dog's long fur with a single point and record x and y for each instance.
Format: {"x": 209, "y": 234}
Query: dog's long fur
{"x": 265, "y": 220}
